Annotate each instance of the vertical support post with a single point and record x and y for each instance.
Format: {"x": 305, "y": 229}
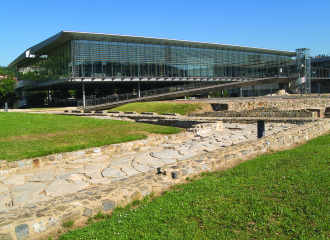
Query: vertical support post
{"x": 241, "y": 92}
{"x": 55, "y": 98}
{"x": 139, "y": 90}
{"x": 271, "y": 89}
{"x": 84, "y": 99}
{"x": 6, "y": 107}
{"x": 261, "y": 129}
{"x": 48, "y": 96}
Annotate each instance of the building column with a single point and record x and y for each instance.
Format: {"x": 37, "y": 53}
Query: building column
{"x": 139, "y": 90}
{"x": 48, "y": 96}
{"x": 83, "y": 92}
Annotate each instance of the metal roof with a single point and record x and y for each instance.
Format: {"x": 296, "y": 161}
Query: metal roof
{"x": 65, "y": 36}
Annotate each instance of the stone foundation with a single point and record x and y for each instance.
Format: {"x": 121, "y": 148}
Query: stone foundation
{"x": 45, "y": 219}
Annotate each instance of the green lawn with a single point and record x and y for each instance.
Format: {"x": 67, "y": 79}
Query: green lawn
{"x": 26, "y": 135}
{"x": 280, "y": 196}
{"x": 160, "y": 108}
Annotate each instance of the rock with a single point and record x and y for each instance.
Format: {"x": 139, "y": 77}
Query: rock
{"x": 129, "y": 171}
{"x": 121, "y": 162}
{"x": 81, "y": 184}
{"x": 142, "y": 168}
{"x": 60, "y": 187}
{"x": 146, "y": 159}
{"x": 22, "y": 232}
{"x": 5, "y": 236}
{"x": 167, "y": 160}
{"x": 99, "y": 181}
{"x": 3, "y": 188}
{"x": 185, "y": 157}
{"x": 145, "y": 191}
{"x": 66, "y": 176}
{"x": 113, "y": 173}
{"x": 166, "y": 154}
{"x": 92, "y": 169}
{"x": 32, "y": 188}
{"x": 108, "y": 204}
{"x": 136, "y": 196}
{"x": 42, "y": 178}
{"x": 52, "y": 223}
{"x": 88, "y": 212}
{"x": 72, "y": 216}
{"x": 14, "y": 181}
{"x": 76, "y": 177}
{"x": 39, "y": 227}
{"x": 94, "y": 175}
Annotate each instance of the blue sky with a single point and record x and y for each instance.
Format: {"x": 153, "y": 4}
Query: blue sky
{"x": 282, "y": 25}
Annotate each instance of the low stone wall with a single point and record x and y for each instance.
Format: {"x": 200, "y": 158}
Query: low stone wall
{"x": 192, "y": 125}
{"x": 138, "y": 145}
{"x": 282, "y": 104}
{"x": 45, "y": 219}
{"x": 260, "y": 112}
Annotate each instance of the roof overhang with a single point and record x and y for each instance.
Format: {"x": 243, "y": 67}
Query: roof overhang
{"x": 65, "y": 36}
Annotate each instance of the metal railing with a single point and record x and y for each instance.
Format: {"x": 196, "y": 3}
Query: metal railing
{"x": 158, "y": 91}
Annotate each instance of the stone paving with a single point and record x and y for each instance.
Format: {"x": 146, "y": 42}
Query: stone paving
{"x": 54, "y": 181}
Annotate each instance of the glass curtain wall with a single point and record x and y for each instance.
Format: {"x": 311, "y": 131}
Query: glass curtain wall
{"x": 117, "y": 59}
{"x": 55, "y": 64}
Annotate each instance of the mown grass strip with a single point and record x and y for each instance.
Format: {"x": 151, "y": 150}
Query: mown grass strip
{"x": 26, "y": 135}
{"x": 280, "y": 196}
{"x": 160, "y": 108}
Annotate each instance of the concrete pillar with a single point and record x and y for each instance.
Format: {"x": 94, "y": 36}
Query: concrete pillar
{"x": 261, "y": 129}
{"x": 139, "y": 90}
{"x": 83, "y": 92}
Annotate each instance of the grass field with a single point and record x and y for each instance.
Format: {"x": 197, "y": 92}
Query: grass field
{"x": 24, "y": 135}
{"x": 160, "y": 108}
{"x": 280, "y": 196}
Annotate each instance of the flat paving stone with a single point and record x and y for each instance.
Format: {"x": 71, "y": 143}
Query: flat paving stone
{"x": 129, "y": 171}
{"x": 93, "y": 169}
{"x": 94, "y": 175}
{"x": 113, "y": 173}
{"x": 167, "y": 160}
{"x": 142, "y": 168}
{"x": 102, "y": 158}
{"x": 61, "y": 187}
{"x": 77, "y": 177}
{"x": 186, "y": 156}
{"x": 14, "y": 181}
{"x": 42, "y": 178}
{"x": 166, "y": 154}
{"x": 121, "y": 162}
{"x": 99, "y": 181}
{"x": 3, "y": 188}
{"x": 79, "y": 161}
{"x": 81, "y": 184}
{"x": 146, "y": 159}
{"x": 66, "y": 175}
{"x": 32, "y": 188}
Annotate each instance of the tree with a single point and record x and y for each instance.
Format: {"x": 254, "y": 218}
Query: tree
{"x": 6, "y": 91}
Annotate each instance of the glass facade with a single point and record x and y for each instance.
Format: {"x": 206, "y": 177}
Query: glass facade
{"x": 118, "y": 59}
{"x": 55, "y": 65}
{"x": 104, "y": 59}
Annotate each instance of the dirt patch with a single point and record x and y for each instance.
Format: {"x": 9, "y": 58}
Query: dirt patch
{"x": 205, "y": 107}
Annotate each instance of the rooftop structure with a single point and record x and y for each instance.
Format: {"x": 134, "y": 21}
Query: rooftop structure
{"x": 67, "y": 59}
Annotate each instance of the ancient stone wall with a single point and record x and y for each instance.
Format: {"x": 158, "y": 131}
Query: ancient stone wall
{"x": 260, "y": 112}
{"x": 282, "y": 104}
{"x": 46, "y": 218}
{"x": 138, "y": 145}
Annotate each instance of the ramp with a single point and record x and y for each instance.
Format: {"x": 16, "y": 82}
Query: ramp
{"x": 176, "y": 92}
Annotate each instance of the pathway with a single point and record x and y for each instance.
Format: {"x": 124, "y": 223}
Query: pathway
{"x": 53, "y": 181}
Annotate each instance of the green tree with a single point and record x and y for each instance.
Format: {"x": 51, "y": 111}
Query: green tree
{"x": 6, "y": 91}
